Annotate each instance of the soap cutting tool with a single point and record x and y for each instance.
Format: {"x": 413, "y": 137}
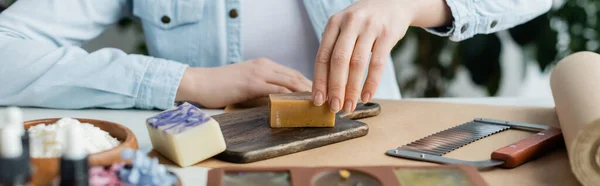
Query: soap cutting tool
{"x": 431, "y": 148}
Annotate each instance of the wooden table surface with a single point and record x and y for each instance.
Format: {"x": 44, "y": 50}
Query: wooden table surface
{"x": 399, "y": 123}
{"x": 402, "y": 122}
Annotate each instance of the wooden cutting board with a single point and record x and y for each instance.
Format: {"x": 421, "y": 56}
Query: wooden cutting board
{"x": 250, "y": 138}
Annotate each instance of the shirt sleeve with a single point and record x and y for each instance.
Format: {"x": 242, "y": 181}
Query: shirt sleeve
{"x": 43, "y": 65}
{"x": 472, "y": 17}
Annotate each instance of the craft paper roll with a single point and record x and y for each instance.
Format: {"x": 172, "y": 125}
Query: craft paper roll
{"x": 575, "y": 84}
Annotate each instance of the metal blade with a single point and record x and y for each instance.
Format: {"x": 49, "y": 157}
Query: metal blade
{"x": 435, "y": 141}
{"x": 441, "y": 148}
{"x": 436, "y": 150}
{"x": 440, "y": 159}
{"x": 516, "y": 125}
{"x": 458, "y": 134}
{"x": 431, "y": 148}
{"x": 420, "y": 150}
{"x": 450, "y": 139}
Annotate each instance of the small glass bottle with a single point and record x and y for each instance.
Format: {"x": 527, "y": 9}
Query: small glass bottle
{"x": 74, "y": 167}
{"x": 15, "y": 168}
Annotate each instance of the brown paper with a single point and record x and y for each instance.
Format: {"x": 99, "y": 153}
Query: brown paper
{"x": 575, "y": 86}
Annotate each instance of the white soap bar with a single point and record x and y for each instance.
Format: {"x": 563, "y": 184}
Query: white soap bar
{"x": 186, "y": 135}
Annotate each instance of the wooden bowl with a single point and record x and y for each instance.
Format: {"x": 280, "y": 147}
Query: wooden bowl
{"x": 46, "y": 169}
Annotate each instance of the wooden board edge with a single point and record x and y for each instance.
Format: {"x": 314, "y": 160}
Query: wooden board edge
{"x": 298, "y": 146}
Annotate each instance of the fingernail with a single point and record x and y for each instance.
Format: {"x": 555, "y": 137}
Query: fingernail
{"x": 348, "y": 106}
{"x": 366, "y": 97}
{"x": 318, "y": 99}
{"x": 334, "y": 105}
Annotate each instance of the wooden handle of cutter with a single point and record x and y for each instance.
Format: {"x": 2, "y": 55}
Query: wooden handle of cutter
{"x": 362, "y": 111}
{"x": 529, "y": 148}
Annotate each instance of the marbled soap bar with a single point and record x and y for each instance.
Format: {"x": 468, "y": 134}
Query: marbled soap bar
{"x": 297, "y": 110}
{"x": 185, "y": 134}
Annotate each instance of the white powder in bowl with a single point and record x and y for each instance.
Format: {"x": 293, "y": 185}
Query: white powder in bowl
{"x": 48, "y": 141}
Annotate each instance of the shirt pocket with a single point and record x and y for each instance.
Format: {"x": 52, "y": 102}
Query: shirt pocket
{"x": 168, "y": 14}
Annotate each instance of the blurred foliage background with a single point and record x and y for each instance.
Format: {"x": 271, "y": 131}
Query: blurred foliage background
{"x": 571, "y": 26}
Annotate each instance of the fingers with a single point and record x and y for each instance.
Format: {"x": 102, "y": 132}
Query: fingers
{"x": 273, "y": 73}
{"x": 338, "y": 69}
{"x": 381, "y": 49}
{"x": 293, "y": 76}
{"x": 330, "y": 35}
{"x": 256, "y": 89}
{"x": 263, "y": 89}
{"x": 358, "y": 62}
{"x": 292, "y": 83}
{"x": 267, "y": 88}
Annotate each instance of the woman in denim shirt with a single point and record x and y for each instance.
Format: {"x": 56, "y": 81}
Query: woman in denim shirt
{"x": 216, "y": 53}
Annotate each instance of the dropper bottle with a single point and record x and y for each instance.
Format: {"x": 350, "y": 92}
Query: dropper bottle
{"x": 74, "y": 165}
{"x": 12, "y": 169}
{"x": 14, "y": 117}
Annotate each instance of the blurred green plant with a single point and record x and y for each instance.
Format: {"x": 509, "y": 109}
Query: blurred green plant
{"x": 5, "y": 3}
{"x": 566, "y": 29}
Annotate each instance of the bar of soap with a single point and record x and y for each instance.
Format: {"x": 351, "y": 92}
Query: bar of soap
{"x": 185, "y": 135}
{"x": 297, "y": 110}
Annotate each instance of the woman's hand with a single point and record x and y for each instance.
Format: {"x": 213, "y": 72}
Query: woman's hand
{"x": 368, "y": 26}
{"x": 222, "y": 86}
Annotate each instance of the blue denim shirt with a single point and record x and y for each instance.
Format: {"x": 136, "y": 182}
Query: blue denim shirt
{"x": 42, "y": 64}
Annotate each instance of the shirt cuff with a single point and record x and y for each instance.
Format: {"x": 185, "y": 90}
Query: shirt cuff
{"x": 159, "y": 84}
{"x": 460, "y": 29}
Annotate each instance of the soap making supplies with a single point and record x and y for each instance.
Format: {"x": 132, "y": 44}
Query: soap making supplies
{"x": 105, "y": 176}
{"x": 144, "y": 170}
{"x": 14, "y": 118}
{"x": 344, "y": 177}
{"x": 446, "y": 177}
{"x": 46, "y": 140}
{"x": 74, "y": 165}
{"x": 256, "y": 179}
{"x": 442, "y": 175}
{"x": 250, "y": 138}
{"x": 13, "y": 171}
{"x": 47, "y": 169}
{"x": 185, "y": 134}
{"x": 574, "y": 83}
{"x": 297, "y": 110}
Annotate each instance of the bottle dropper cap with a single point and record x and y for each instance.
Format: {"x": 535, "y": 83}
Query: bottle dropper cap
{"x": 14, "y": 116}
{"x": 14, "y": 119}
{"x": 75, "y": 150}
{"x": 10, "y": 143}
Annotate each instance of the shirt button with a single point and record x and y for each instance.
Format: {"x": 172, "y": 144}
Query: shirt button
{"x": 233, "y": 13}
{"x": 464, "y": 28}
{"x": 165, "y": 19}
{"x": 494, "y": 23}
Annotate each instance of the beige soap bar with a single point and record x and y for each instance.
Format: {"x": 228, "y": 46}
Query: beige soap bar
{"x": 297, "y": 110}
